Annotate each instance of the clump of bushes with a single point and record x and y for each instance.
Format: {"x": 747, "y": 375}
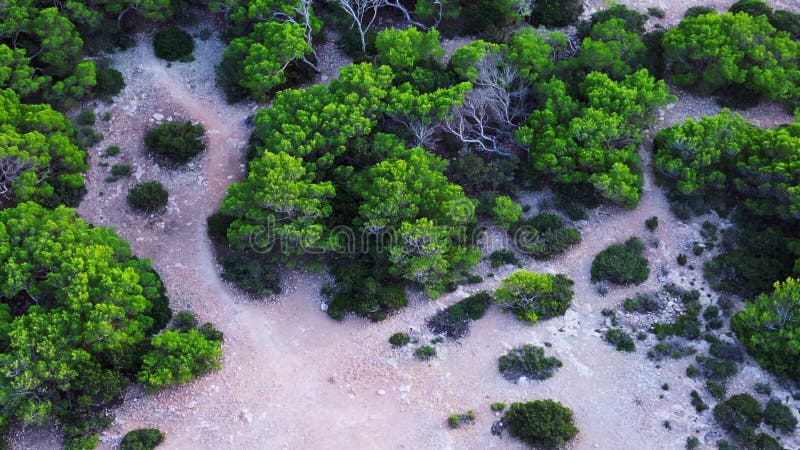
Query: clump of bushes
{"x": 670, "y": 349}
{"x": 453, "y": 321}
{"x": 177, "y": 142}
{"x": 621, "y": 340}
{"x": 399, "y": 339}
{"x": 541, "y": 423}
{"x": 112, "y": 151}
{"x": 109, "y": 82}
{"x": 780, "y": 417}
{"x": 497, "y": 406}
{"x": 532, "y": 296}
{"x": 651, "y": 224}
{"x": 738, "y": 413}
{"x": 364, "y": 289}
{"x": 642, "y": 304}
{"x": 173, "y": 44}
{"x": 86, "y": 117}
{"x": 544, "y": 236}
{"x": 695, "y": 11}
{"x": 697, "y": 402}
{"x": 425, "y": 352}
{"x": 142, "y": 439}
{"x": 251, "y": 272}
{"x": 119, "y": 171}
{"x": 456, "y": 420}
{"x": 148, "y": 197}
{"x": 527, "y": 361}
{"x": 656, "y": 12}
{"x": 621, "y": 263}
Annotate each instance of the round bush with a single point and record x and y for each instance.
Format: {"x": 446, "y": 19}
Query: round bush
{"x": 527, "y": 361}
{"x": 738, "y": 412}
{"x": 109, "y": 82}
{"x": 173, "y": 44}
{"x": 621, "y": 264}
{"x": 696, "y": 11}
{"x": 184, "y": 321}
{"x": 541, "y": 423}
{"x": 177, "y": 142}
{"x": 425, "y": 352}
{"x": 399, "y": 339}
{"x": 754, "y": 8}
{"x": 533, "y": 296}
{"x": 142, "y": 439}
{"x": 148, "y": 197}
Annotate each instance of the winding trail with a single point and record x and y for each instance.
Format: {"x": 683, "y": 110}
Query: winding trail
{"x": 293, "y": 378}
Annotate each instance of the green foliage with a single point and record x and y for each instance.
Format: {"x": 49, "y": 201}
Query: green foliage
{"x": 527, "y": 361}
{"x": 252, "y": 272}
{"x": 699, "y": 10}
{"x": 716, "y": 389}
{"x": 453, "y": 321}
{"x": 184, "y": 321}
{"x": 754, "y": 8}
{"x": 642, "y": 304}
{"x": 787, "y": 21}
{"x": 112, "y": 151}
{"x": 172, "y": 44}
{"x": 119, "y": 171}
{"x": 532, "y": 296}
{"x": 365, "y": 289}
{"x": 403, "y": 50}
{"x": 697, "y": 402}
{"x": 651, "y": 224}
{"x": 621, "y": 263}
{"x": 763, "y": 388}
{"x": 541, "y": 423}
{"x": 506, "y": 212}
{"x": 176, "y": 142}
{"x": 544, "y": 236}
{"x": 656, "y": 12}
{"x": 86, "y": 117}
{"x": 671, "y": 349}
{"x": 456, "y": 420}
{"x": 424, "y": 353}
{"x": 497, "y": 406}
{"x": 39, "y": 158}
{"x": 692, "y": 443}
{"x": 502, "y": 257}
{"x": 256, "y": 64}
{"x": 142, "y": 439}
{"x": 735, "y": 52}
{"x": 621, "y": 340}
{"x": 70, "y": 340}
{"x": 148, "y": 197}
{"x": 595, "y": 142}
{"x": 634, "y": 20}
{"x": 780, "y": 417}
{"x": 179, "y": 357}
{"x": 109, "y": 82}
{"x": 555, "y": 13}
{"x": 770, "y": 329}
{"x": 738, "y": 412}
{"x": 399, "y": 339}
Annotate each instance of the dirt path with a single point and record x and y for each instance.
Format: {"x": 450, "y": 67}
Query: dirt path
{"x": 292, "y": 378}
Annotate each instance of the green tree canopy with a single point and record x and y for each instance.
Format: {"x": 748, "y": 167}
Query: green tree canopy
{"x": 533, "y": 296}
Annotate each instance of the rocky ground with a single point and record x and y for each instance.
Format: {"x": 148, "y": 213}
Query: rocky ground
{"x": 293, "y": 378}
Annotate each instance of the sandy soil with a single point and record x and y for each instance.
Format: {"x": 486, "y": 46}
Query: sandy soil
{"x": 293, "y": 378}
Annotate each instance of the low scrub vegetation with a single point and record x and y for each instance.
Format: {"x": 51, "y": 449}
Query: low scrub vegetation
{"x": 621, "y": 264}
{"x": 528, "y": 361}
{"x": 541, "y": 423}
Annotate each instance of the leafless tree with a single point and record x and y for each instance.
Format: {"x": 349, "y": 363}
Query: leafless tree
{"x": 11, "y": 168}
{"x": 303, "y": 11}
{"x": 396, "y": 4}
{"x": 493, "y": 110}
{"x": 364, "y": 13}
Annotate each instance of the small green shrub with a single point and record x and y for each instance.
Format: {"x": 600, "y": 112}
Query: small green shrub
{"x": 692, "y": 371}
{"x": 109, "y": 82}
{"x": 780, "y": 417}
{"x": 682, "y": 259}
{"x": 695, "y": 11}
{"x": 697, "y": 402}
{"x": 399, "y": 339}
{"x": 621, "y": 264}
{"x": 621, "y": 340}
{"x": 532, "y": 296}
{"x": 212, "y": 334}
{"x": 651, "y": 224}
{"x": 148, "y": 197}
{"x": 656, "y": 12}
{"x": 738, "y": 412}
{"x": 86, "y": 118}
{"x": 642, "y": 304}
{"x": 527, "y": 361}
{"x": 555, "y": 13}
{"x": 754, "y": 8}
{"x": 119, "y": 171}
{"x": 692, "y": 443}
{"x": 184, "y": 321}
{"x": 541, "y": 423}
{"x": 717, "y": 369}
{"x": 665, "y": 387}
{"x": 669, "y": 349}
{"x": 497, "y": 406}
{"x": 425, "y": 352}
{"x": 501, "y": 257}
{"x": 763, "y": 388}
{"x": 454, "y": 320}
{"x": 725, "y": 350}
{"x": 112, "y": 151}
{"x": 716, "y": 389}
{"x": 172, "y": 44}
{"x": 142, "y": 439}
{"x": 177, "y": 142}
{"x": 456, "y": 420}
